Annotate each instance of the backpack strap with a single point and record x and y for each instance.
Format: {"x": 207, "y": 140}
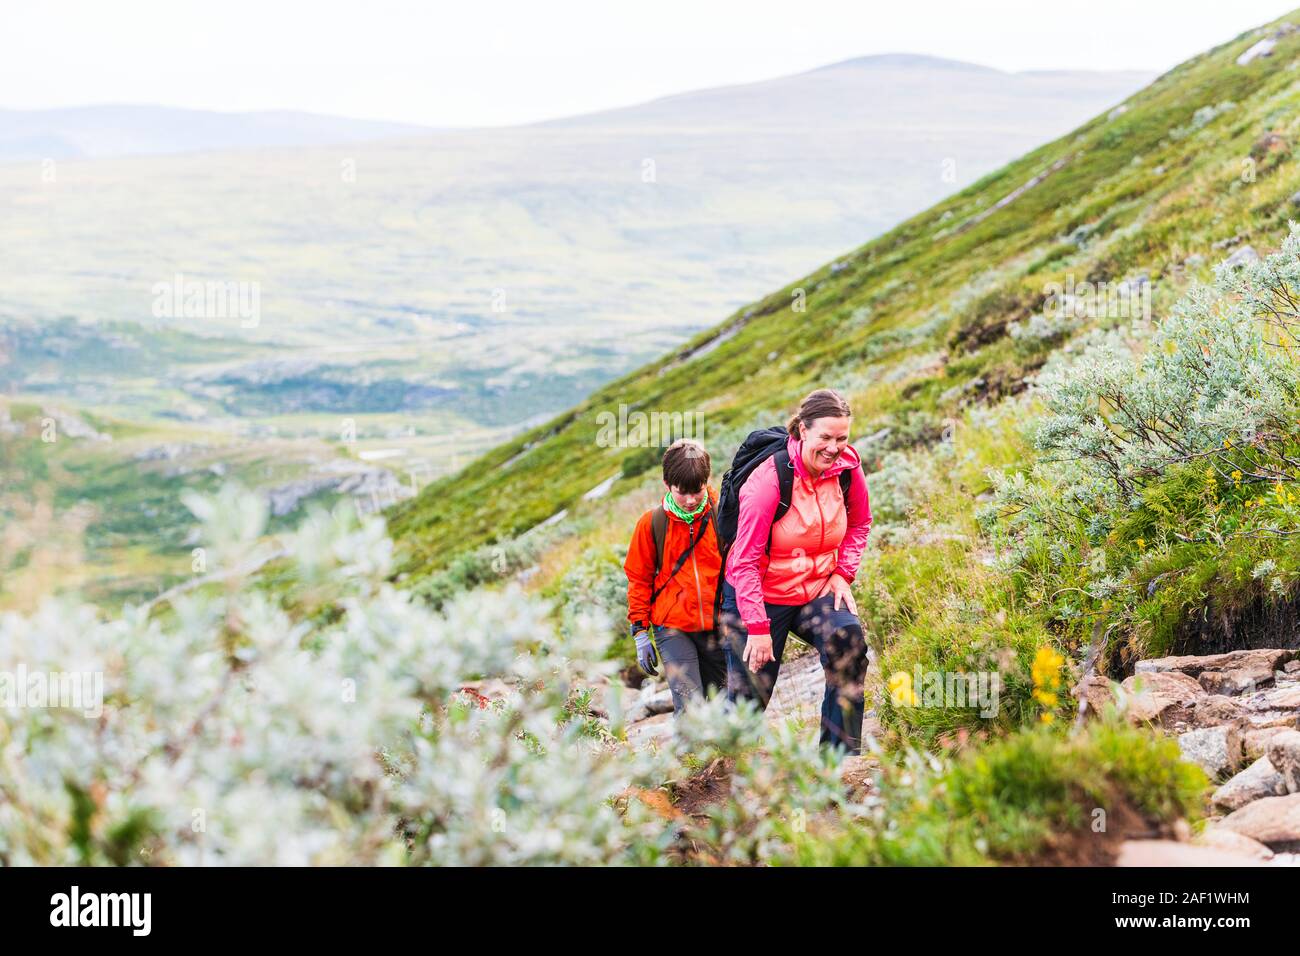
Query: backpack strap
{"x": 659, "y": 529}
{"x": 785, "y": 488}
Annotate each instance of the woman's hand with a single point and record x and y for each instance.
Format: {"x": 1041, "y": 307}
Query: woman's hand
{"x": 843, "y": 592}
{"x": 758, "y": 651}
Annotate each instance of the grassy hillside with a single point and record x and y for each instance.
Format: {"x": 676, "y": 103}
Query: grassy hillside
{"x": 92, "y": 505}
{"x": 459, "y": 287}
{"x": 933, "y": 331}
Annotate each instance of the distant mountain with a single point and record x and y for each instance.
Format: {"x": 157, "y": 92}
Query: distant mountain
{"x": 474, "y": 280}
{"x": 921, "y": 325}
{"x": 92, "y": 132}
{"x": 895, "y": 90}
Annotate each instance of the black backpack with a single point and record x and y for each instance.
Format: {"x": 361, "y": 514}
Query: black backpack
{"x": 753, "y": 451}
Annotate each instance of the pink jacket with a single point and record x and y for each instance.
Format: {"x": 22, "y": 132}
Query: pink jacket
{"x": 819, "y": 536}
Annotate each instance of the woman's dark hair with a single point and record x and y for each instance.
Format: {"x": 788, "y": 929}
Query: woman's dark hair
{"x": 686, "y": 465}
{"x": 823, "y": 403}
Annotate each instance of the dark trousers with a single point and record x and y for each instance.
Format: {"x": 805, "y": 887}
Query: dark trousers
{"x": 840, "y": 642}
{"x": 693, "y": 663}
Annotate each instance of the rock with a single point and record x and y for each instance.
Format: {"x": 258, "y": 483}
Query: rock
{"x": 1244, "y": 256}
{"x": 1233, "y": 842}
{"x": 1194, "y": 260}
{"x": 602, "y": 489}
{"x": 1172, "y": 853}
{"x": 1273, "y": 821}
{"x": 657, "y": 698}
{"x": 1270, "y": 142}
{"x": 1152, "y": 694}
{"x": 651, "y": 700}
{"x": 1242, "y": 681}
{"x": 1211, "y": 711}
{"x": 1264, "y": 658}
{"x": 1260, "y": 779}
{"x": 1217, "y": 750}
{"x": 1277, "y": 707}
{"x": 656, "y": 729}
{"x": 858, "y": 773}
{"x": 1284, "y": 755}
{"x": 659, "y": 701}
{"x": 1097, "y": 693}
{"x": 1261, "y": 49}
{"x": 1255, "y": 740}
{"x": 1291, "y": 667}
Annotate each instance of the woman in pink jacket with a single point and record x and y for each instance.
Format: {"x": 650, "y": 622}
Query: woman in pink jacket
{"x": 794, "y": 574}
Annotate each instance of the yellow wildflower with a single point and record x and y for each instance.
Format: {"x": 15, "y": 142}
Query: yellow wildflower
{"x": 900, "y": 689}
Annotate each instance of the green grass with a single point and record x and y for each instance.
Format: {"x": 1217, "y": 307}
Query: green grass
{"x": 1030, "y": 793}
{"x": 913, "y": 327}
{"x": 1176, "y": 199}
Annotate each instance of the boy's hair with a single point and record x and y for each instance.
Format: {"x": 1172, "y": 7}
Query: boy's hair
{"x": 686, "y": 465}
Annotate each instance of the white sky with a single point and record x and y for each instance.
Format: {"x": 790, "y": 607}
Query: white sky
{"x": 493, "y": 62}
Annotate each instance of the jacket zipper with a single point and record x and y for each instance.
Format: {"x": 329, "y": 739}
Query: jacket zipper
{"x": 695, "y": 569}
{"x": 821, "y": 517}
{"x": 699, "y": 593}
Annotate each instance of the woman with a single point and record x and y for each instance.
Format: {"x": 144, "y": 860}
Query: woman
{"x": 795, "y": 573}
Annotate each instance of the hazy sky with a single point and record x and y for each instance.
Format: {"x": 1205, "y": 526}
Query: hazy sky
{"x": 491, "y": 62}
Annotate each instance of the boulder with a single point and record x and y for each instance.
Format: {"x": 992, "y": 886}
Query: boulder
{"x": 1232, "y": 842}
{"x": 1263, "y": 48}
{"x": 1172, "y": 853}
{"x": 1152, "y": 694}
{"x": 1217, "y": 750}
{"x": 653, "y": 699}
{"x": 1242, "y": 680}
{"x": 1211, "y": 711}
{"x": 1273, "y": 821}
{"x": 1255, "y": 740}
{"x": 1276, "y": 707}
{"x": 1284, "y": 755}
{"x": 1097, "y": 692}
{"x": 1260, "y": 779}
{"x": 1244, "y": 256}
{"x": 1264, "y": 658}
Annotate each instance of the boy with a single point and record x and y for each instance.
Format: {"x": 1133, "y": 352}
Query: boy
{"x": 673, "y": 565}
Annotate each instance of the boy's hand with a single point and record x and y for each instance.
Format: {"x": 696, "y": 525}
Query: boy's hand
{"x": 647, "y": 658}
{"x": 758, "y": 651}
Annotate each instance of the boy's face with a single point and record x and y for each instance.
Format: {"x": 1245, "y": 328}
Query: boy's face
{"x": 687, "y": 500}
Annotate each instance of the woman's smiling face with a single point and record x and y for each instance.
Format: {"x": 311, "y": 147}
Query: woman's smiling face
{"x": 823, "y": 442}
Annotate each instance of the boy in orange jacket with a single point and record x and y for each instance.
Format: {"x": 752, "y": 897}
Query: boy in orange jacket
{"x": 673, "y": 565}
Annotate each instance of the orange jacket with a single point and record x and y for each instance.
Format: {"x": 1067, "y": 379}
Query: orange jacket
{"x": 685, "y": 602}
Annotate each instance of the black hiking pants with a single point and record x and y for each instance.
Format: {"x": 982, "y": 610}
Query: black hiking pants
{"x": 840, "y": 642}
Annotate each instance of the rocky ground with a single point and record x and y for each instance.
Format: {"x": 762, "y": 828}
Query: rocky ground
{"x": 1237, "y": 716}
{"x": 797, "y": 696}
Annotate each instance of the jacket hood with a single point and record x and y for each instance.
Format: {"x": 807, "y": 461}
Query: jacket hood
{"x": 848, "y": 459}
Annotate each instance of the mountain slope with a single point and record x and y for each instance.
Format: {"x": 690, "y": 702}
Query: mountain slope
{"x": 913, "y": 326}
{"x": 487, "y": 279}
